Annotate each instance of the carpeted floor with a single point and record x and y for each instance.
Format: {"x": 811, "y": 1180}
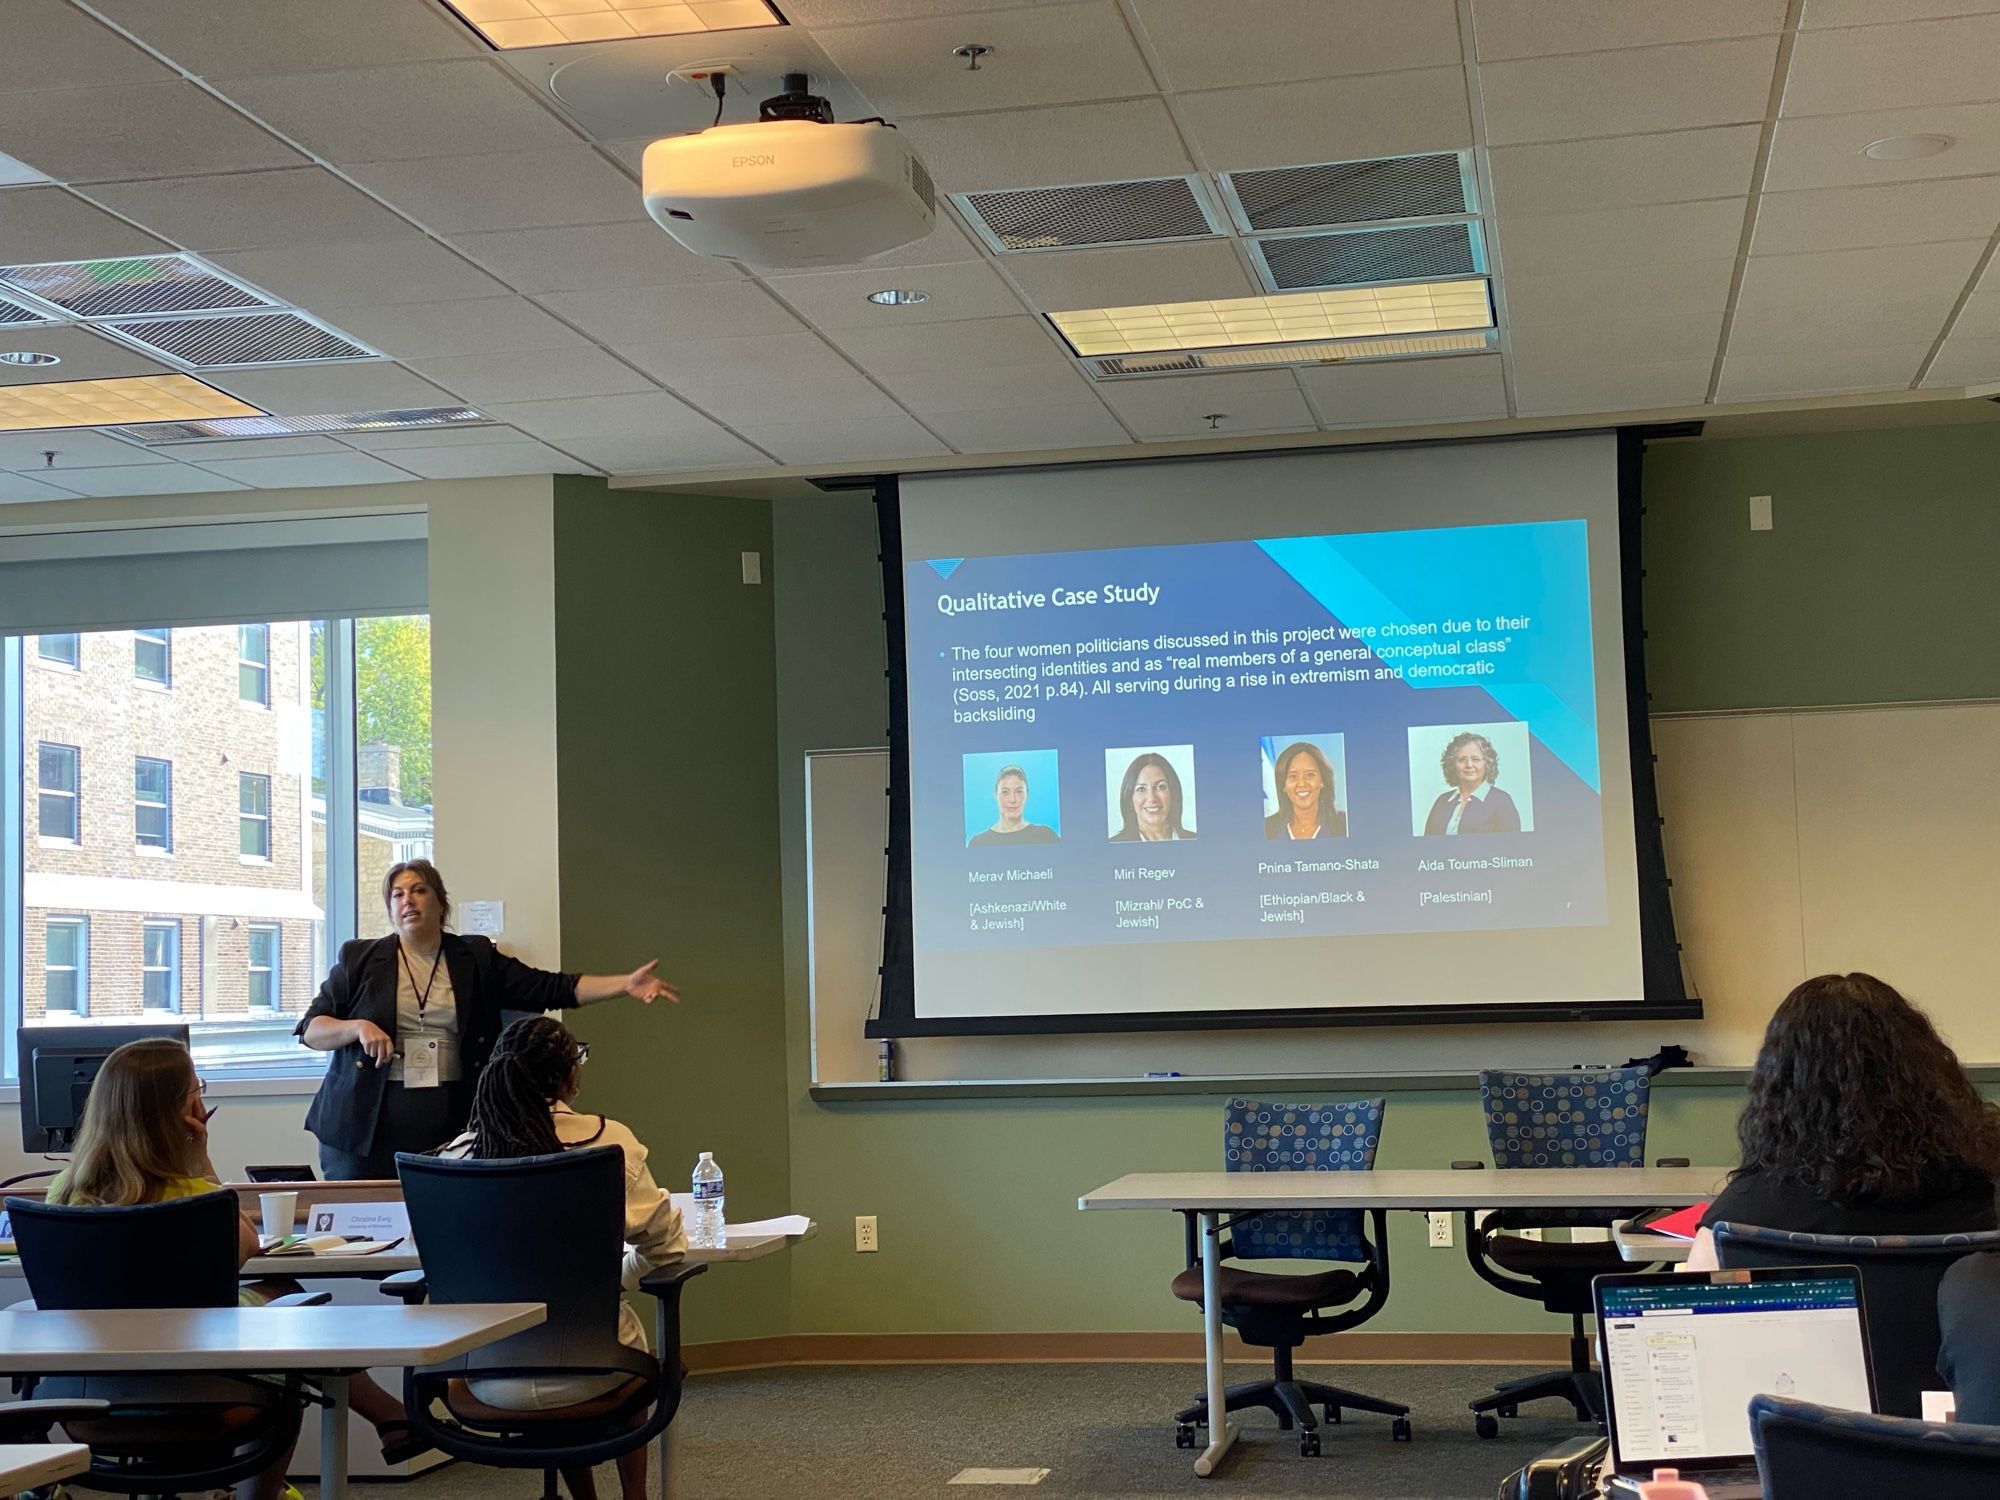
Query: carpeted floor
{"x": 891, "y": 1432}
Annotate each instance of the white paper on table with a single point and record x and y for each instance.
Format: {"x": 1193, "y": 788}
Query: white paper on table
{"x": 1940, "y": 1406}
{"x": 789, "y": 1225}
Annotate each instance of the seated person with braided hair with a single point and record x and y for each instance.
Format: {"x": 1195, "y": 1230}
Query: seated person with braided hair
{"x": 522, "y": 1108}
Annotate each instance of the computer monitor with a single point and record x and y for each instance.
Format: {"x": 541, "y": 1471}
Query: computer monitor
{"x": 57, "y": 1066}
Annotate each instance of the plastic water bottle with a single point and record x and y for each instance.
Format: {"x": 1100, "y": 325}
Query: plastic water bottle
{"x": 706, "y": 1228}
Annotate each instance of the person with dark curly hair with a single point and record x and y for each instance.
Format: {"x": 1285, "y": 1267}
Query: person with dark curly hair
{"x": 1860, "y": 1121}
{"x": 1474, "y": 803}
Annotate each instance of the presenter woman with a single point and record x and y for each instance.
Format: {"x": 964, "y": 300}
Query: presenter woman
{"x": 1149, "y": 800}
{"x": 1305, "y": 797}
{"x": 1010, "y": 797}
{"x": 1474, "y": 804}
{"x": 411, "y": 1019}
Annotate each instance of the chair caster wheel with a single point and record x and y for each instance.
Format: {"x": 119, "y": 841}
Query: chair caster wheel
{"x": 1184, "y": 1435}
{"x": 1400, "y": 1430}
{"x": 1309, "y": 1445}
{"x": 1332, "y": 1414}
{"x": 1486, "y": 1425}
{"x": 1507, "y": 1411}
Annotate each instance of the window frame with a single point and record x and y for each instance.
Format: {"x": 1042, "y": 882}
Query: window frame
{"x": 71, "y": 663}
{"x": 154, "y": 635}
{"x": 244, "y": 779}
{"x": 171, "y": 968}
{"x": 74, "y": 793}
{"x": 274, "y": 970}
{"x": 79, "y": 923}
{"x": 247, "y": 663}
{"x": 165, "y": 806}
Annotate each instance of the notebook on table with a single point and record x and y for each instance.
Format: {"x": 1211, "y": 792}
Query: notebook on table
{"x": 1684, "y": 1353}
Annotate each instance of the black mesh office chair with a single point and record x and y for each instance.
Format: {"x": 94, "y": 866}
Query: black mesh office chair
{"x": 1808, "y": 1452}
{"x": 548, "y": 1229}
{"x": 157, "y": 1433}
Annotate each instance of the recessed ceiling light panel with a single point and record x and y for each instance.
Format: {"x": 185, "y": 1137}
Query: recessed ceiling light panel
{"x": 1268, "y": 356}
{"x": 1294, "y": 317}
{"x": 224, "y": 428}
{"x": 1907, "y": 147}
{"x": 508, "y": 24}
{"x": 31, "y": 358}
{"x": 103, "y": 403}
{"x": 898, "y": 296}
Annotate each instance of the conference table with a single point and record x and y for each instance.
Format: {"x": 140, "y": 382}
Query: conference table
{"x": 1211, "y": 1198}
{"x": 329, "y": 1344}
{"x": 30, "y": 1466}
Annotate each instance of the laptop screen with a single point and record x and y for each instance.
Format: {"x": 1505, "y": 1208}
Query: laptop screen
{"x": 1683, "y": 1355}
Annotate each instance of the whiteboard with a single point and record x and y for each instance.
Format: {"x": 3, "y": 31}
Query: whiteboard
{"x": 1799, "y": 841}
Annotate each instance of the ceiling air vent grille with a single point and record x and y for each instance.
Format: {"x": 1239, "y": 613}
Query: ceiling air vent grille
{"x": 255, "y": 339}
{"x": 1420, "y": 252}
{"x": 1351, "y": 192}
{"x": 13, "y": 312}
{"x": 248, "y": 427}
{"x": 1320, "y": 352}
{"x": 1099, "y": 213}
{"x": 148, "y": 286}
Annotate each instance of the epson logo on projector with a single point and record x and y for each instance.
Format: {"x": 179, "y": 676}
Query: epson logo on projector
{"x": 753, "y": 161}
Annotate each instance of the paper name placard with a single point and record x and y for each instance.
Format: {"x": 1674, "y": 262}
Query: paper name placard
{"x": 371, "y": 1221}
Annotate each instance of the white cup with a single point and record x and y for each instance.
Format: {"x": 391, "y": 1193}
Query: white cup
{"x": 280, "y": 1210}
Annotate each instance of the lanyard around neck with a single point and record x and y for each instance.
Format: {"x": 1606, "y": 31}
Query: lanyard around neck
{"x": 423, "y": 995}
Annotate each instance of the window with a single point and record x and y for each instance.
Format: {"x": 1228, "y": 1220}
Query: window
{"x": 59, "y": 811}
{"x": 66, "y": 966}
{"x": 253, "y": 804}
{"x": 152, "y": 656}
{"x": 152, "y": 803}
{"x": 263, "y": 967}
{"x": 253, "y": 664}
{"x": 160, "y": 965}
{"x": 64, "y": 650}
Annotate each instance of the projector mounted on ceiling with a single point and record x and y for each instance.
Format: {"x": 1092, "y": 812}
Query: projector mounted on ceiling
{"x": 794, "y": 189}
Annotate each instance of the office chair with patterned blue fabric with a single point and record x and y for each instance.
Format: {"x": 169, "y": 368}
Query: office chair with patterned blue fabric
{"x": 1277, "y": 1311}
{"x": 1590, "y": 1117}
{"x": 1808, "y": 1452}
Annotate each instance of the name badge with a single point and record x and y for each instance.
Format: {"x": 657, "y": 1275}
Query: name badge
{"x": 422, "y": 1058}
{"x": 367, "y": 1221}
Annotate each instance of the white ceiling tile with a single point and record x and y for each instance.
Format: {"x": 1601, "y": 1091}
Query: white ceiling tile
{"x": 270, "y": 447}
{"x": 321, "y": 390}
{"x": 152, "y": 130}
{"x": 651, "y": 453}
{"x": 686, "y": 310}
{"x": 1628, "y": 92}
{"x": 454, "y": 436}
{"x": 1556, "y": 297}
{"x": 1836, "y": 323}
{"x": 1894, "y": 272}
{"x": 1021, "y": 429}
{"x": 1816, "y": 372}
{"x": 1289, "y": 124}
{"x": 1894, "y": 67}
{"x": 1203, "y": 45}
{"x": 324, "y": 469}
{"x": 1545, "y": 391}
{"x": 1979, "y": 318}
{"x": 50, "y": 223}
{"x": 1539, "y": 28}
{"x": 949, "y": 346}
{"x": 1652, "y": 234}
{"x": 778, "y": 401}
{"x": 1050, "y": 147}
{"x": 1637, "y": 340}
{"x": 154, "y": 479}
{"x": 839, "y": 299}
{"x": 253, "y": 210}
{"x": 1047, "y": 54}
{"x": 752, "y": 361}
{"x": 74, "y": 448}
{"x": 1389, "y": 392}
{"x": 1826, "y": 150}
{"x": 1873, "y": 12}
{"x": 876, "y": 438}
{"x": 488, "y": 380}
{"x": 1574, "y": 176}
{"x": 945, "y": 245}
{"x": 485, "y": 460}
{"x": 817, "y": 13}
{"x": 19, "y": 489}
{"x": 1065, "y": 280}
{"x": 439, "y": 330}
{"x": 1966, "y": 361}
{"x": 590, "y": 257}
{"x": 564, "y": 418}
{"x": 84, "y": 356}
{"x": 337, "y": 275}
{"x": 1179, "y": 406}
{"x": 1898, "y": 213}
{"x": 462, "y": 108}
{"x": 52, "y": 45}
{"x": 506, "y": 190}
{"x": 979, "y": 387}
{"x": 213, "y": 38}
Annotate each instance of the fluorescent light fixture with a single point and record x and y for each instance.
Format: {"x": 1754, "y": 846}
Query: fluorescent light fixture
{"x": 1325, "y": 352}
{"x": 1288, "y": 318}
{"x": 222, "y": 428}
{"x": 554, "y": 23}
{"x": 103, "y": 403}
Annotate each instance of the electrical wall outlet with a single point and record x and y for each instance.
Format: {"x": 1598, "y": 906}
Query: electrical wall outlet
{"x": 864, "y": 1234}
{"x": 1439, "y": 1223}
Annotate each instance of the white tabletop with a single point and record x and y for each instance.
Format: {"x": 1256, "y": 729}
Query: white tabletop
{"x": 253, "y": 1338}
{"x": 1534, "y": 1187}
{"x": 29, "y": 1466}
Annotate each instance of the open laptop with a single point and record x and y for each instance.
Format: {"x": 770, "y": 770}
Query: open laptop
{"x": 1684, "y": 1353}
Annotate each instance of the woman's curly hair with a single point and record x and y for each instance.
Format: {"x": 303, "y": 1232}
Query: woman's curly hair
{"x": 1856, "y": 1097}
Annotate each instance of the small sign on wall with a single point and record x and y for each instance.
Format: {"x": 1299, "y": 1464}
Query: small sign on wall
{"x": 485, "y": 918}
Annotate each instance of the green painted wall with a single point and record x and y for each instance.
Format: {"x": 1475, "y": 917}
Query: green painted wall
{"x": 1876, "y": 584}
{"x": 667, "y": 777}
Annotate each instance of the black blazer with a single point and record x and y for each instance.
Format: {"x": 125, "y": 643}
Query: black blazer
{"x": 1497, "y": 814}
{"x": 362, "y": 986}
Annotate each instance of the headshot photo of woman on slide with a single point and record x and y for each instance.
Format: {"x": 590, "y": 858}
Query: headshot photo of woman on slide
{"x": 1023, "y": 780}
{"x": 1153, "y": 800}
{"x": 1473, "y": 801}
{"x": 1302, "y": 783}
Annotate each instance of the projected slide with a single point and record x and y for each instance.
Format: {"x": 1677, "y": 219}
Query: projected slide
{"x": 1270, "y": 739}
